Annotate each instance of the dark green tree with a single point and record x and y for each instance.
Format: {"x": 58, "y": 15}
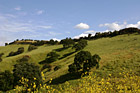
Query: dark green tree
{"x": 32, "y": 47}
{"x": 84, "y": 61}
{"x": 6, "y": 80}
{"x": 80, "y": 45}
{"x": 51, "y": 57}
{"x": 28, "y": 71}
{"x": 68, "y": 42}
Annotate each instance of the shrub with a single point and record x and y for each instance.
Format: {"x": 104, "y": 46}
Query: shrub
{"x": 1, "y": 54}
{"x": 6, "y": 80}
{"x": 51, "y": 57}
{"x": 32, "y": 47}
{"x": 11, "y": 54}
{"x": 24, "y": 58}
{"x": 19, "y": 51}
{"x": 28, "y": 71}
{"x": 80, "y": 45}
{"x": 68, "y": 42}
{"x": 84, "y": 61}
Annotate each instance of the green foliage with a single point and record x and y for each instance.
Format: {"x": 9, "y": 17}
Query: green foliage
{"x": 32, "y": 47}
{"x": 24, "y": 58}
{"x": 68, "y": 42}
{"x": 19, "y": 51}
{"x": 51, "y": 57}
{"x": 28, "y": 71}
{"x": 85, "y": 61}
{"x": 72, "y": 68}
{"x": 80, "y": 45}
{"x": 6, "y": 80}
{"x": 1, "y": 54}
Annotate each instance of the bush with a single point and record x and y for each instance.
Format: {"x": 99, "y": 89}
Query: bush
{"x": 51, "y": 57}
{"x": 56, "y": 68}
{"x": 28, "y": 71}
{"x": 24, "y": 58}
{"x": 84, "y": 61}
{"x": 1, "y": 54}
{"x": 6, "y": 80}
{"x": 68, "y": 42}
{"x": 80, "y": 45}
{"x": 32, "y": 47}
{"x": 19, "y": 51}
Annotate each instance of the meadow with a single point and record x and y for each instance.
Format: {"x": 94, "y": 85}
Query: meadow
{"x": 119, "y": 69}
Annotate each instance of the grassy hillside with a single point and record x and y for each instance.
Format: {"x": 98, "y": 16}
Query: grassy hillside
{"x": 118, "y": 54}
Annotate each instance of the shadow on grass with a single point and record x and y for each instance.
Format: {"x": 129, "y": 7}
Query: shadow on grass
{"x": 43, "y": 62}
{"x": 60, "y": 49}
{"x": 64, "y": 78}
{"x": 68, "y": 54}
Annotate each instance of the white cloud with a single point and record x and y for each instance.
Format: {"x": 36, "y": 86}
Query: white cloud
{"x": 45, "y": 27}
{"x": 112, "y": 26}
{"x": 82, "y": 26}
{"x": 115, "y": 26}
{"x": 17, "y": 8}
{"x": 40, "y": 12}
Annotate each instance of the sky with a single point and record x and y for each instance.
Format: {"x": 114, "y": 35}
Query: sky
{"x": 58, "y": 19}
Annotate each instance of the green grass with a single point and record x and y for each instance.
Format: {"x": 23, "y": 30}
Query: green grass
{"x": 116, "y": 49}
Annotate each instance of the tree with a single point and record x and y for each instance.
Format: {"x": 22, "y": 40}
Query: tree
{"x": 84, "y": 61}
{"x": 51, "y": 57}
{"x": 89, "y": 36}
{"x": 6, "y": 80}
{"x": 72, "y": 68}
{"x": 80, "y": 45}
{"x": 20, "y": 50}
{"x": 32, "y": 47}
{"x": 68, "y": 42}
{"x": 28, "y": 71}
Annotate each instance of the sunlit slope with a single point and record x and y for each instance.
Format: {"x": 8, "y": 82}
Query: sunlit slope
{"x": 120, "y": 48}
{"x": 36, "y": 55}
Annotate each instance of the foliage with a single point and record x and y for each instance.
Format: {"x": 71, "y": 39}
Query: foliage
{"x": 1, "y": 54}
{"x": 80, "y": 45}
{"x": 85, "y": 61}
{"x": 51, "y": 57}
{"x": 67, "y": 42}
{"x": 19, "y": 51}
{"x": 32, "y": 47}
{"x": 98, "y": 35}
{"x": 6, "y": 80}
{"x": 28, "y": 71}
{"x": 24, "y": 58}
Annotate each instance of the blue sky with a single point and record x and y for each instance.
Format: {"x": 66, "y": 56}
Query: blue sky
{"x": 58, "y": 19}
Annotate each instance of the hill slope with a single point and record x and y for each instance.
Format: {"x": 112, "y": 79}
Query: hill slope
{"x": 120, "y": 48}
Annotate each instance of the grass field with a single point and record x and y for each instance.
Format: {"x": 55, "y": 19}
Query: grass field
{"x": 118, "y": 54}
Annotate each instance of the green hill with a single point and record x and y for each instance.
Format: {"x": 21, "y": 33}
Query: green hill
{"x": 116, "y": 53}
